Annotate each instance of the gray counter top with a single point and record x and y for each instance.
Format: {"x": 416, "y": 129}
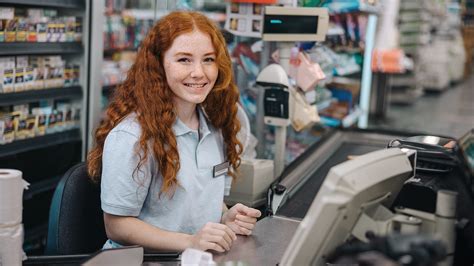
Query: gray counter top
{"x": 265, "y": 246}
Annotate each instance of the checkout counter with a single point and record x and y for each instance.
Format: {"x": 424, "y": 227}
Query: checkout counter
{"x": 264, "y": 247}
{"x": 298, "y": 186}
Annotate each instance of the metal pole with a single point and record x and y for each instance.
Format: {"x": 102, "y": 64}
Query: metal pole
{"x": 280, "y": 144}
{"x": 367, "y": 72}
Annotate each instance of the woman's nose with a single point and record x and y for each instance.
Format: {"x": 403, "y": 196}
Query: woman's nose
{"x": 197, "y": 71}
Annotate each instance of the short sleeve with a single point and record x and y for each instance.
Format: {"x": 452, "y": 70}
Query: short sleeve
{"x": 123, "y": 190}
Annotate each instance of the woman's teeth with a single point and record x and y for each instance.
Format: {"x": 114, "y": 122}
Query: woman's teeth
{"x": 195, "y": 85}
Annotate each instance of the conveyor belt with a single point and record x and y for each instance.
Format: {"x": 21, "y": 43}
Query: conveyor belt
{"x": 299, "y": 203}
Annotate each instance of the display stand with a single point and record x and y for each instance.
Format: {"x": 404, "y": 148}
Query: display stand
{"x": 43, "y": 159}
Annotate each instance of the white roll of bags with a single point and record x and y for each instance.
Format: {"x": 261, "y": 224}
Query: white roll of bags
{"x": 11, "y": 207}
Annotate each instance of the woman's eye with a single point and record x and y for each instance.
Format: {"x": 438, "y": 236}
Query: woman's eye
{"x": 209, "y": 59}
{"x": 184, "y": 60}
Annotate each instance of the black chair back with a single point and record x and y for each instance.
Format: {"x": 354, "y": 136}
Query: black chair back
{"x": 76, "y": 223}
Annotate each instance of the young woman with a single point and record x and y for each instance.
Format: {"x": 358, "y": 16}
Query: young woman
{"x": 168, "y": 144}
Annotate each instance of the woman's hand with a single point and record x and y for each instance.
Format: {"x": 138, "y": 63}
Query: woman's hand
{"x": 241, "y": 219}
{"x": 213, "y": 236}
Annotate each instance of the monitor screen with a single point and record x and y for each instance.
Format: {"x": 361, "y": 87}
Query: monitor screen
{"x": 349, "y": 189}
{"x": 292, "y": 24}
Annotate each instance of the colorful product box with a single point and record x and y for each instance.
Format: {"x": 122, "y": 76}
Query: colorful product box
{"x": 21, "y": 30}
{"x": 7, "y": 128}
{"x": 10, "y": 30}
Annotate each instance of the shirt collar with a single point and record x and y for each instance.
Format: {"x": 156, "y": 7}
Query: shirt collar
{"x": 180, "y": 128}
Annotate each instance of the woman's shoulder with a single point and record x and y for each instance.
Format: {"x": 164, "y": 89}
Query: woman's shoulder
{"x": 128, "y": 125}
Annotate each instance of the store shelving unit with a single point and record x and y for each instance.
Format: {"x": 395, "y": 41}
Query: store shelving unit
{"x": 73, "y": 92}
{"x": 360, "y": 114}
{"x": 41, "y": 48}
{"x": 44, "y": 159}
{"x": 73, "y": 4}
{"x": 25, "y": 145}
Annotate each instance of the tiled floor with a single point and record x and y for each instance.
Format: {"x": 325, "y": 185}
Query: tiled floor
{"x": 448, "y": 113}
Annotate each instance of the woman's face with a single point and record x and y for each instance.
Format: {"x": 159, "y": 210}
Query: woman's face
{"x": 191, "y": 68}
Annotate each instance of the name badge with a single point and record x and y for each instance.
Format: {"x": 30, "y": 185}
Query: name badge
{"x": 220, "y": 169}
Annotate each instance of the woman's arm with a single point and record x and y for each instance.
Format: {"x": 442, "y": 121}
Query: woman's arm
{"x": 132, "y": 231}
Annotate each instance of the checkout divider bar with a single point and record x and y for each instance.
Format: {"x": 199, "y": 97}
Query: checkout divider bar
{"x": 79, "y": 258}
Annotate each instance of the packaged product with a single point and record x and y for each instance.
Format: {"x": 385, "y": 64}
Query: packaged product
{"x": 10, "y": 30}
{"x": 7, "y": 129}
{"x": 40, "y": 114}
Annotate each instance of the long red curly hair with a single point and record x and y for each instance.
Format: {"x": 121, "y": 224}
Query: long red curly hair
{"x": 146, "y": 93}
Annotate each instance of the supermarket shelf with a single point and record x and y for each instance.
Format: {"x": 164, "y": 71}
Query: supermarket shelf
{"x": 13, "y": 98}
{"x": 40, "y": 48}
{"x": 39, "y": 142}
{"x": 76, "y": 4}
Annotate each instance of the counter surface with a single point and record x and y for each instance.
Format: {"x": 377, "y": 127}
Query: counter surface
{"x": 265, "y": 246}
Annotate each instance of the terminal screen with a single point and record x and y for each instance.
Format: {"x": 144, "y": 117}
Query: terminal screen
{"x": 281, "y": 24}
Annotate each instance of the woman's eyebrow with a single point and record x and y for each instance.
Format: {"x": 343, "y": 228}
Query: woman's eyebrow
{"x": 183, "y": 54}
{"x": 190, "y": 54}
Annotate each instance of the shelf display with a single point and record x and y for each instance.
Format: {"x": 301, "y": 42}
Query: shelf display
{"x": 29, "y": 121}
{"x": 43, "y": 72}
{"x": 114, "y": 70}
{"x": 125, "y": 28}
{"x": 40, "y": 142}
{"x": 72, "y": 92}
{"x": 123, "y": 32}
{"x": 38, "y": 25}
{"x": 23, "y": 73}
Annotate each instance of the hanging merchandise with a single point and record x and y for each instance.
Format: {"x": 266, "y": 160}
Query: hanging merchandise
{"x": 305, "y": 72}
{"x": 304, "y": 115}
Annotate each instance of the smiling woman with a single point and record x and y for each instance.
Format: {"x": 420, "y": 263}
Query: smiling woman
{"x": 170, "y": 125}
{"x": 191, "y": 72}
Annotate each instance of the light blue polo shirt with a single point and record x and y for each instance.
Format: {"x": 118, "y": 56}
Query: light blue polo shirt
{"x": 198, "y": 197}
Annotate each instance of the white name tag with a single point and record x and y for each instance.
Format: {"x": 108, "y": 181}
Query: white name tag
{"x": 220, "y": 169}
